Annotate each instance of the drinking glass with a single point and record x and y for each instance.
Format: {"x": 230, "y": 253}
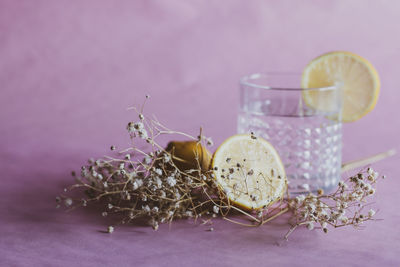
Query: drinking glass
{"x": 303, "y": 124}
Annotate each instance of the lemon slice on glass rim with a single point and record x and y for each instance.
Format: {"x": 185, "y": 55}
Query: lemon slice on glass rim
{"x": 356, "y": 77}
{"x": 249, "y": 170}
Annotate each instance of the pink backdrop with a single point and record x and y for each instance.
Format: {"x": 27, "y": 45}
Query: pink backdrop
{"x": 69, "y": 70}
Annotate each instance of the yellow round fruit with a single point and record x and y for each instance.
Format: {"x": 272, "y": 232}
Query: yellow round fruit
{"x": 188, "y": 155}
{"x": 356, "y": 77}
{"x": 249, "y": 170}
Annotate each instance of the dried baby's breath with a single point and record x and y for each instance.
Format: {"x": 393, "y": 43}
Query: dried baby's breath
{"x": 143, "y": 182}
{"x": 346, "y": 206}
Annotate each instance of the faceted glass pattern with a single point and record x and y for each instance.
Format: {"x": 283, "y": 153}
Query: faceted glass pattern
{"x": 310, "y": 147}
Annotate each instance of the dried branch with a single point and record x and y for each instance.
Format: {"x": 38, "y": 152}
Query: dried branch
{"x": 143, "y": 181}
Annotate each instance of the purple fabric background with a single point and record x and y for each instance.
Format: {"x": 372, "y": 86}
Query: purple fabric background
{"x": 69, "y": 70}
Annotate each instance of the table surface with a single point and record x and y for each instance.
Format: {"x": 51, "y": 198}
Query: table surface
{"x": 35, "y": 233}
{"x": 69, "y": 70}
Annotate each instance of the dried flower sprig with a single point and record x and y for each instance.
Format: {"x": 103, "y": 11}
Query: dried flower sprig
{"x": 144, "y": 181}
{"x": 341, "y": 208}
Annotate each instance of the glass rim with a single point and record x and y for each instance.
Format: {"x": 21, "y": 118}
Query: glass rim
{"x": 245, "y": 80}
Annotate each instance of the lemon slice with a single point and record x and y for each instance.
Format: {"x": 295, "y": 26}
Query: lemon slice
{"x": 358, "y": 80}
{"x": 250, "y": 171}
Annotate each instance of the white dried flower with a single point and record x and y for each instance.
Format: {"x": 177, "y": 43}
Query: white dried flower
{"x": 311, "y": 207}
{"x": 147, "y": 160}
{"x": 171, "y": 181}
{"x": 166, "y": 158}
{"x": 163, "y": 194}
{"x": 138, "y": 125}
{"x": 324, "y": 227}
{"x": 362, "y": 184}
{"x": 84, "y": 172}
{"x": 110, "y": 229}
{"x": 216, "y": 209}
{"x": 146, "y": 208}
{"x": 68, "y": 202}
{"x": 155, "y": 209}
{"x": 300, "y": 198}
{"x": 371, "y": 213}
{"x": 143, "y": 134}
{"x": 310, "y": 225}
{"x": 158, "y": 171}
{"x": 189, "y": 213}
{"x": 158, "y": 182}
{"x": 324, "y": 213}
{"x": 189, "y": 180}
{"x": 135, "y": 185}
{"x": 367, "y": 187}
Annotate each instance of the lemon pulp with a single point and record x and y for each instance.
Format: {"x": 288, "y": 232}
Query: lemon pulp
{"x": 250, "y": 171}
{"x": 358, "y": 79}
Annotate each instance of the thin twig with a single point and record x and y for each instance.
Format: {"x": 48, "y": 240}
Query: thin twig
{"x": 367, "y": 160}
{"x": 244, "y": 224}
{"x": 275, "y": 216}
